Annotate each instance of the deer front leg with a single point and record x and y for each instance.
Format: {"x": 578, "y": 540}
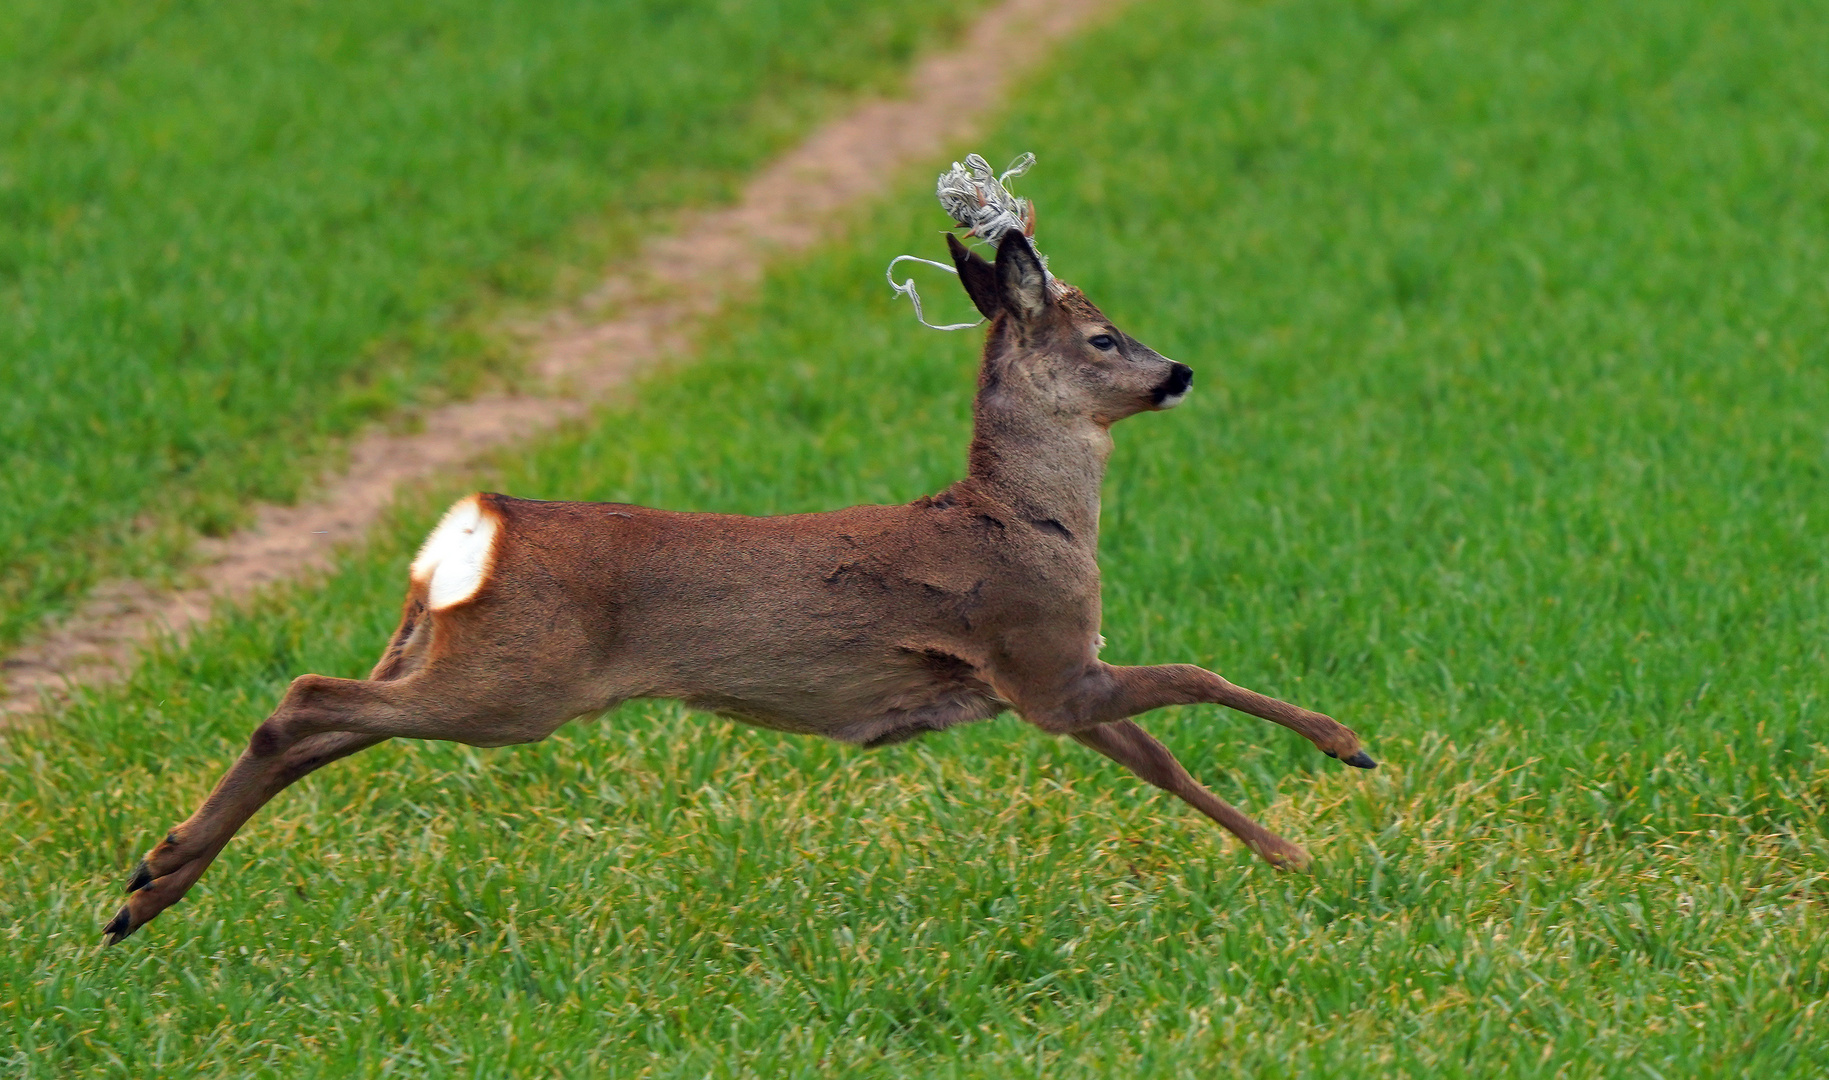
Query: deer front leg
{"x": 1105, "y": 693}
{"x": 1129, "y": 745}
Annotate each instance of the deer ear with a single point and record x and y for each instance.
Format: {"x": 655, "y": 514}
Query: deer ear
{"x": 977, "y": 275}
{"x": 1022, "y": 284}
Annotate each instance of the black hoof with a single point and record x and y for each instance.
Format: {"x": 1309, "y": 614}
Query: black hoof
{"x": 118, "y": 928}
{"x": 1362, "y": 760}
{"x": 142, "y": 877}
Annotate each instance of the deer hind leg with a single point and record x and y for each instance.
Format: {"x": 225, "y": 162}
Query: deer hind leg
{"x": 291, "y": 743}
{"x": 1129, "y": 745}
{"x": 268, "y": 767}
{"x": 174, "y": 865}
{"x": 320, "y": 720}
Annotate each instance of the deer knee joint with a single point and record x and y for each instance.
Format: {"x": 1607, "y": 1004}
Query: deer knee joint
{"x": 269, "y": 738}
{"x": 293, "y": 719}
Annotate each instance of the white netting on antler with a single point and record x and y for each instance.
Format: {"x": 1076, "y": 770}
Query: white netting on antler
{"x": 981, "y": 202}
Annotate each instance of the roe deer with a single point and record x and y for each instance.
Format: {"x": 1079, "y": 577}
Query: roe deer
{"x": 871, "y": 625}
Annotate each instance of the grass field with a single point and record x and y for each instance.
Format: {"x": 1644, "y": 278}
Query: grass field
{"x": 231, "y": 233}
{"x": 1507, "y": 448}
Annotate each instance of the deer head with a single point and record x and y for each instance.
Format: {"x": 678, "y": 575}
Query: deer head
{"x": 1052, "y": 349}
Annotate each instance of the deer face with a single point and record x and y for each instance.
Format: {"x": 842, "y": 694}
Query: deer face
{"x": 1061, "y": 351}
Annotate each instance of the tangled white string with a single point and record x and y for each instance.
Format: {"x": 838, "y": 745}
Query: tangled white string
{"x": 907, "y": 288}
{"x": 981, "y": 202}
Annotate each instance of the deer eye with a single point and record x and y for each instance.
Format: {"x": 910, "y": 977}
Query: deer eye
{"x": 1103, "y": 342}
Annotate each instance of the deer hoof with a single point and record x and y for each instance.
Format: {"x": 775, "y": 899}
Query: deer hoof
{"x": 1287, "y": 856}
{"x": 1361, "y": 760}
{"x": 118, "y": 927}
{"x": 1295, "y": 864}
{"x": 142, "y": 877}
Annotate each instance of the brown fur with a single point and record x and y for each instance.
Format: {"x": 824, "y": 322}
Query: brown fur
{"x": 871, "y": 625}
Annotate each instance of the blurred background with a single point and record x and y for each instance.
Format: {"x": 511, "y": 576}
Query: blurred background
{"x": 1508, "y": 447}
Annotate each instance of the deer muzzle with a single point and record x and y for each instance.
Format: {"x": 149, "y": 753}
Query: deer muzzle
{"x": 1169, "y": 393}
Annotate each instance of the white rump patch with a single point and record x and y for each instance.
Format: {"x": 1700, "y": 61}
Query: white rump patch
{"x": 457, "y": 557}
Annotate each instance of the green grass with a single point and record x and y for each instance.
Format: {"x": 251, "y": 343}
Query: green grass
{"x": 1507, "y": 449}
{"x": 232, "y": 233}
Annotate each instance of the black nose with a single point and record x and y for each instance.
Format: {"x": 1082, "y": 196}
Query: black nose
{"x": 1176, "y": 384}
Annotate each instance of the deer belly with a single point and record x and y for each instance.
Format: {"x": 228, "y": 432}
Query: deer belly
{"x": 902, "y": 694}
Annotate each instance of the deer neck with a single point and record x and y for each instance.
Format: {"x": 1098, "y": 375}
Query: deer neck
{"x": 1048, "y": 468}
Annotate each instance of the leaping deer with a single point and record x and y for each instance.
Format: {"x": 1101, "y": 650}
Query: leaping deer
{"x": 870, "y": 625}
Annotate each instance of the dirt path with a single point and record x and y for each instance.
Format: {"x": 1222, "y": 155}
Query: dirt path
{"x": 581, "y": 355}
